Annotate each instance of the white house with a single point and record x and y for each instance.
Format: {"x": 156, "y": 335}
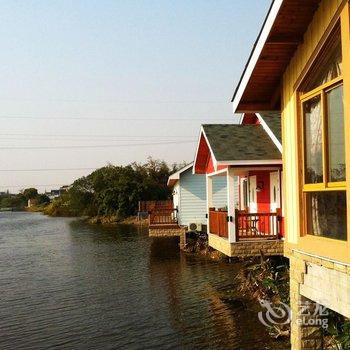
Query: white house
{"x": 189, "y": 197}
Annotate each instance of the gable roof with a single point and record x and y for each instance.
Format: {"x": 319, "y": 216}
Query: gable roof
{"x": 273, "y": 121}
{"x": 235, "y": 142}
{"x": 281, "y": 33}
{"x": 173, "y": 178}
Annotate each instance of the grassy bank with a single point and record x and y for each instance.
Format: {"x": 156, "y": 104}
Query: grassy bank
{"x": 114, "y": 220}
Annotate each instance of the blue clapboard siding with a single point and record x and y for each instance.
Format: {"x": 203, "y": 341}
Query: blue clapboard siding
{"x": 192, "y": 196}
{"x": 193, "y": 200}
{"x": 220, "y": 191}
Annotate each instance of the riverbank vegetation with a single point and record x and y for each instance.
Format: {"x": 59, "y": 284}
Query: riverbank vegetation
{"x": 20, "y": 201}
{"x": 112, "y": 193}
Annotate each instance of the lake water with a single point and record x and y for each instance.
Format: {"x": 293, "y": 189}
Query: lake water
{"x": 68, "y": 285}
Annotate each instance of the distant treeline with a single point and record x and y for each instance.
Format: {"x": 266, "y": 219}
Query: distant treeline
{"x": 115, "y": 190}
{"x": 20, "y": 201}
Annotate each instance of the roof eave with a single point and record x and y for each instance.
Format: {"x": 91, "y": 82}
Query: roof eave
{"x": 251, "y": 162}
{"x": 253, "y": 59}
{"x": 176, "y": 176}
{"x": 172, "y": 182}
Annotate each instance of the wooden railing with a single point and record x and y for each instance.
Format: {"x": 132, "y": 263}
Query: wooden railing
{"x": 258, "y": 225}
{"x": 148, "y": 206}
{"x": 218, "y": 223}
{"x": 163, "y": 217}
{"x": 248, "y": 225}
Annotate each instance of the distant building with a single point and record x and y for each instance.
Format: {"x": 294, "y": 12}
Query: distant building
{"x": 56, "y": 193}
{"x": 64, "y": 189}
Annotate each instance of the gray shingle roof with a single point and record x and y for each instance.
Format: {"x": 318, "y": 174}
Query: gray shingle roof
{"x": 273, "y": 120}
{"x": 234, "y": 142}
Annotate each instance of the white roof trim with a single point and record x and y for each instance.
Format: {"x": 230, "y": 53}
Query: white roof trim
{"x": 218, "y": 172}
{"x": 269, "y": 132}
{"x": 256, "y": 52}
{"x": 176, "y": 176}
{"x": 251, "y": 162}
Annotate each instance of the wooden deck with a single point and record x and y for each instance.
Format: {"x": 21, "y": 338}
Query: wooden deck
{"x": 253, "y": 226}
{"x": 148, "y": 206}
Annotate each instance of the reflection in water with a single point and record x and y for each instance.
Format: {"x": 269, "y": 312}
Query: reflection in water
{"x": 192, "y": 287}
{"x": 68, "y": 285}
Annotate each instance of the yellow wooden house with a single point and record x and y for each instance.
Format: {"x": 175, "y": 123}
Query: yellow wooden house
{"x": 300, "y": 66}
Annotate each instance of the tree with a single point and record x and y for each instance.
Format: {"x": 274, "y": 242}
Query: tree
{"x": 30, "y": 193}
{"x": 116, "y": 190}
{"x": 42, "y": 199}
{"x": 13, "y": 201}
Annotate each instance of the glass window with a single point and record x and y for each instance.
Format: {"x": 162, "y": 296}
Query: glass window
{"x": 336, "y": 145}
{"x": 313, "y": 140}
{"x": 328, "y": 66}
{"x": 324, "y": 143}
{"x": 327, "y": 214}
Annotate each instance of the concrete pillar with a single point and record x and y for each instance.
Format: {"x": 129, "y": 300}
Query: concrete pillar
{"x": 231, "y": 205}
{"x": 209, "y": 185}
{"x": 305, "y": 333}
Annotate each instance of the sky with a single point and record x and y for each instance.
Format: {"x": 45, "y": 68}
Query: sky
{"x": 85, "y": 83}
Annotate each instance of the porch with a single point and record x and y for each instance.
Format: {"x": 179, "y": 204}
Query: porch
{"x": 162, "y": 218}
{"x": 249, "y": 226}
{"x": 251, "y": 223}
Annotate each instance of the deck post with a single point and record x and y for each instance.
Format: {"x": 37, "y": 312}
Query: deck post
{"x": 209, "y": 185}
{"x": 231, "y": 205}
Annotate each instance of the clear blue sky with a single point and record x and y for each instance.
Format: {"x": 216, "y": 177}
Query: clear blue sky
{"x": 98, "y": 61}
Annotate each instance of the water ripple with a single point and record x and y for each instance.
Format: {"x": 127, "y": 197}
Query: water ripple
{"x": 68, "y": 285}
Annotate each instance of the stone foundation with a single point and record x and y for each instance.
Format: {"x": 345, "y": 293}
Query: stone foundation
{"x": 166, "y": 232}
{"x": 316, "y": 280}
{"x": 246, "y": 249}
{"x": 182, "y": 243}
{"x": 255, "y": 248}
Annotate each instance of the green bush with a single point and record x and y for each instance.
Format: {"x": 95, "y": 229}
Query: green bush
{"x": 115, "y": 190}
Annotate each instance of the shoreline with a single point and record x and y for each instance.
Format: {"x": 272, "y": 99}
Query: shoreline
{"x": 105, "y": 220}
{"x": 112, "y": 220}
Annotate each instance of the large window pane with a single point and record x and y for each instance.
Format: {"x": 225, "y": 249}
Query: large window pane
{"x": 313, "y": 140}
{"x": 336, "y": 147}
{"x": 328, "y": 65}
{"x": 327, "y": 214}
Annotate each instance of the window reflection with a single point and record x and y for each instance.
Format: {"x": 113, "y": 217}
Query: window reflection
{"x": 336, "y": 148}
{"x": 313, "y": 140}
{"x": 327, "y": 214}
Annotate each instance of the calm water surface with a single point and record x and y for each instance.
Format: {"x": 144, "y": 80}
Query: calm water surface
{"x": 68, "y": 285}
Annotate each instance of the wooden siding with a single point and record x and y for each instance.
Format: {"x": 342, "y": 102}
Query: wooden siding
{"x": 290, "y": 126}
{"x": 218, "y": 223}
{"x": 261, "y": 92}
{"x": 192, "y": 196}
{"x": 220, "y": 191}
{"x": 192, "y": 202}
